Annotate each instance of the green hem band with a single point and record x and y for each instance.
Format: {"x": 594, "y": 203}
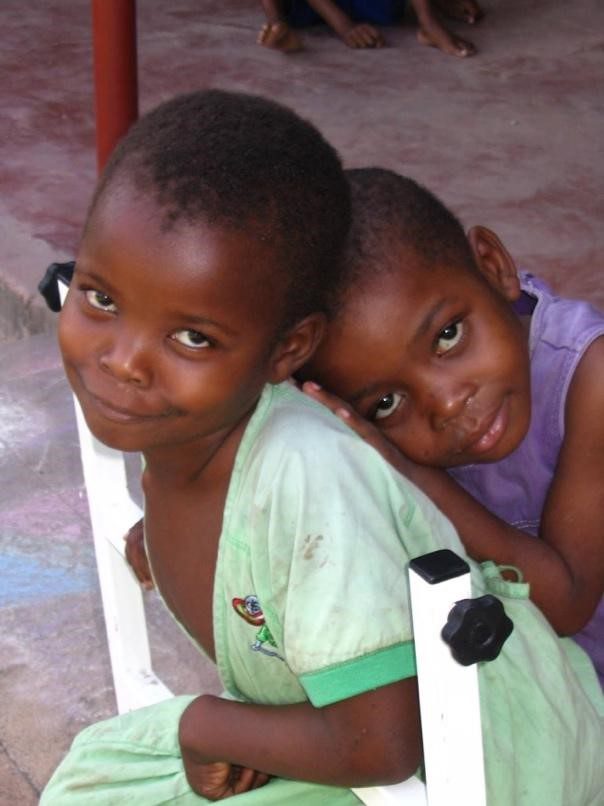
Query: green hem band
{"x": 363, "y": 674}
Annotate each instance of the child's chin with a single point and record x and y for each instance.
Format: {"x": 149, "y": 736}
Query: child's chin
{"x": 496, "y": 454}
{"x": 119, "y": 438}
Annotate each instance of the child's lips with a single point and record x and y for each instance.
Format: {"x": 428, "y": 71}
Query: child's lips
{"x": 488, "y": 434}
{"x": 118, "y": 414}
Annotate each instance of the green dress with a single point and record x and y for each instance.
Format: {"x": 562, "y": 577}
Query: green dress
{"x": 311, "y": 602}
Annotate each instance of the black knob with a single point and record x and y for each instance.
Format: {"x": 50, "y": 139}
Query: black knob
{"x": 476, "y": 629}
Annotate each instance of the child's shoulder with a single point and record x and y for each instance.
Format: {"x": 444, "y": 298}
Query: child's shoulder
{"x": 295, "y": 448}
{"x": 288, "y": 408}
{"x": 559, "y": 321}
{"x": 289, "y": 428}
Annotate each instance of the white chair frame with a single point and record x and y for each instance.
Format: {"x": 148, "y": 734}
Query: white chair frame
{"x": 449, "y": 696}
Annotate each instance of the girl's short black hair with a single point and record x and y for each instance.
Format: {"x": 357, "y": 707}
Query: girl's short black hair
{"x": 390, "y": 211}
{"x": 245, "y": 162}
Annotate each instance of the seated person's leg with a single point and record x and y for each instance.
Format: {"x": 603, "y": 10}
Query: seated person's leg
{"x": 135, "y": 755}
{"x": 432, "y": 32}
{"x": 135, "y": 758}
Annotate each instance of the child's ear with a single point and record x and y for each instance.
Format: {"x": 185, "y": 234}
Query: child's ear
{"x": 297, "y": 346}
{"x": 495, "y": 262}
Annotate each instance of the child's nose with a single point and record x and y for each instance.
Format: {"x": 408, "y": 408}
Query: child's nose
{"x": 448, "y": 402}
{"x": 127, "y": 359}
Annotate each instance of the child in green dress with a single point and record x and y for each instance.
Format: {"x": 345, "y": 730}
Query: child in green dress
{"x": 273, "y": 532}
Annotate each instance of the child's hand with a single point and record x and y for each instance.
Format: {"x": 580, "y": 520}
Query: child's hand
{"x": 216, "y": 780}
{"x": 361, "y": 35}
{"x": 211, "y": 779}
{"x": 362, "y": 427}
{"x": 136, "y": 555}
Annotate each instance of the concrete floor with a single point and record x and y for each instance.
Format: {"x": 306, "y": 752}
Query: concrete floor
{"x": 512, "y": 138}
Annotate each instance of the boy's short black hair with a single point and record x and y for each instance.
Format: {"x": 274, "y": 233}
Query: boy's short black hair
{"x": 390, "y": 211}
{"x": 242, "y": 161}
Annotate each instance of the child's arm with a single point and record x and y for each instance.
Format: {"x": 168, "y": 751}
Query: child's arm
{"x": 565, "y": 567}
{"x": 373, "y": 738}
{"x": 355, "y": 35}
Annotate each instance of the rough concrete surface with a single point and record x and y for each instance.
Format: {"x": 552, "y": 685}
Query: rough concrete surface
{"x": 512, "y": 138}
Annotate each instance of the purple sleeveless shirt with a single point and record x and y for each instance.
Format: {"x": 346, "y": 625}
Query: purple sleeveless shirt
{"x": 515, "y": 488}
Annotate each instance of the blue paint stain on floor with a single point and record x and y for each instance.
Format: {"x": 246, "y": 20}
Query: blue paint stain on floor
{"x": 25, "y": 579}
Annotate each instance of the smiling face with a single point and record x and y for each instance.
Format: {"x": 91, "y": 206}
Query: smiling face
{"x": 436, "y": 357}
{"x": 168, "y": 336}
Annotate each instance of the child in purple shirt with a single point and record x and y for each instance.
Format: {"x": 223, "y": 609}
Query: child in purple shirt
{"x": 482, "y": 387}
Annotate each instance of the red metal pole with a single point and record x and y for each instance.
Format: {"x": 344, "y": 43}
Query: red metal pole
{"x": 115, "y": 73}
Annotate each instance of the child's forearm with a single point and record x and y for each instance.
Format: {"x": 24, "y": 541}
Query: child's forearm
{"x": 374, "y": 741}
{"x": 557, "y": 587}
{"x": 565, "y": 566}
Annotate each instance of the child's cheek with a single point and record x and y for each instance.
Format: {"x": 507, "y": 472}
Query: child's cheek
{"x": 67, "y": 328}
{"x": 75, "y": 334}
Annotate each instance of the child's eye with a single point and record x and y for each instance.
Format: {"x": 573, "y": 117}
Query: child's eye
{"x": 100, "y": 301}
{"x": 192, "y": 339}
{"x": 449, "y": 337}
{"x": 387, "y": 406}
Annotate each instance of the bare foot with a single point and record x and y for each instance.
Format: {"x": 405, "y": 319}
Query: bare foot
{"x": 279, "y": 36}
{"x": 438, "y": 37}
{"x": 361, "y": 35}
{"x": 465, "y": 10}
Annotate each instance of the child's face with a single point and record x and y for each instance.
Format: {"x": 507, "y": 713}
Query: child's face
{"x": 437, "y": 359}
{"x": 167, "y": 336}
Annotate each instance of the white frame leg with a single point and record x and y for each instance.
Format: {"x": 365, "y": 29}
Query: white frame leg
{"x": 112, "y": 513}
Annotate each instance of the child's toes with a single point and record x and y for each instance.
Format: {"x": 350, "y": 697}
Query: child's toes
{"x": 263, "y": 34}
{"x": 472, "y": 12}
{"x": 443, "y": 40}
{"x": 463, "y": 49}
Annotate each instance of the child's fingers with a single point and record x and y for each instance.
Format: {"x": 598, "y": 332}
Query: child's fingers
{"x": 260, "y": 779}
{"x": 136, "y": 555}
{"x": 341, "y": 409}
{"x": 332, "y": 402}
{"x": 365, "y": 36}
{"x": 374, "y": 37}
{"x": 140, "y": 567}
{"x": 142, "y": 572}
{"x": 241, "y": 779}
{"x": 363, "y": 428}
{"x": 247, "y": 779}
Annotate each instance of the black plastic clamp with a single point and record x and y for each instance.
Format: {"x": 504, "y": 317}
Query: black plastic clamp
{"x": 48, "y": 285}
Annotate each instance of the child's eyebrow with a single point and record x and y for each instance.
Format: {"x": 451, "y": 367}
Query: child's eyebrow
{"x": 427, "y": 323}
{"x": 94, "y": 278}
{"x": 196, "y": 319}
{"x": 186, "y": 317}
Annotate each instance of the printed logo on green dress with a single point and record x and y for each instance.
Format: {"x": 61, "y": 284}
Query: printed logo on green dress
{"x": 250, "y": 611}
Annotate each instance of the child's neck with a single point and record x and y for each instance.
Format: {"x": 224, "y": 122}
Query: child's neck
{"x": 184, "y": 464}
